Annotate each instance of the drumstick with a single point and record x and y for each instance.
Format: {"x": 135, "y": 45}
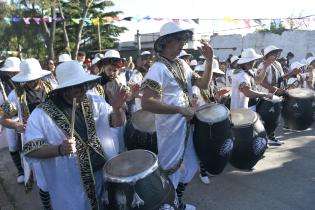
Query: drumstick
{"x": 203, "y": 107}
{"x": 73, "y": 118}
{"x": 3, "y": 91}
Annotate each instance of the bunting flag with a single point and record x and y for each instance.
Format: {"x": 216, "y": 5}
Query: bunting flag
{"x": 306, "y": 22}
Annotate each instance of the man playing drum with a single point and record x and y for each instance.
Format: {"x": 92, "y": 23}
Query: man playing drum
{"x": 74, "y": 181}
{"x": 167, "y": 92}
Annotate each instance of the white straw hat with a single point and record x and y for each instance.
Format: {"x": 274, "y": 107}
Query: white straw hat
{"x": 64, "y": 57}
{"x": 146, "y": 53}
{"x": 95, "y": 60}
{"x": 112, "y": 54}
{"x": 30, "y": 70}
{"x": 183, "y": 53}
{"x": 310, "y": 60}
{"x": 248, "y": 55}
{"x": 271, "y": 48}
{"x": 234, "y": 58}
{"x": 296, "y": 65}
{"x": 193, "y": 62}
{"x": 11, "y": 64}
{"x": 71, "y": 73}
{"x": 168, "y": 29}
{"x": 215, "y": 67}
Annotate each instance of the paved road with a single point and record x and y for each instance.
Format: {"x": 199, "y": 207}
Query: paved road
{"x": 284, "y": 179}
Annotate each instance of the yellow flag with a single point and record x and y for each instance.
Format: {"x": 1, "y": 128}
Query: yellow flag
{"x": 96, "y": 21}
{"x": 228, "y": 19}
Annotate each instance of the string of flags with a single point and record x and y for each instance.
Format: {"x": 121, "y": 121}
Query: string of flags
{"x": 288, "y": 23}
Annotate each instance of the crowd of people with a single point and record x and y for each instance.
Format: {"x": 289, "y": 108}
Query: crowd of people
{"x": 65, "y": 157}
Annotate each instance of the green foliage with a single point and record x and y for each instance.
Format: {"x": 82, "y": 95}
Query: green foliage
{"x": 33, "y": 38}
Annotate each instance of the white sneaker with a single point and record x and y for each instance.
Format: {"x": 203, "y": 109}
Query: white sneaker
{"x": 190, "y": 207}
{"x": 20, "y": 179}
{"x": 275, "y": 142}
{"x": 204, "y": 179}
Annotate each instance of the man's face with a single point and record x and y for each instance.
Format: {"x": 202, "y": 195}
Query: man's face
{"x": 77, "y": 92}
{"x": 176, "y": 43}
{"x": 33, "y": 85}
{"x": 146, "y": 61}
{"x": 111, "y": 71}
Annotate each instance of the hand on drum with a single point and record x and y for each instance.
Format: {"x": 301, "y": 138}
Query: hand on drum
{"x": 280, "y": 92}
{"x": 135, "y": 88}
{"x": 221, "y": 93}
{"x": 20, "y": 127}
{"x": 187, "y": 112}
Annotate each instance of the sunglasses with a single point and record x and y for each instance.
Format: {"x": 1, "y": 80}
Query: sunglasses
{"x": 84, "y": 86}
{"x": 118, "y": 63}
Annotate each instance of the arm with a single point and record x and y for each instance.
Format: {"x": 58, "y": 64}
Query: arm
{"x": 253, "y": 94}
{"x": 207, "y": 52}
{"x": 150, "y": 102}
{"x": 50, "y": 151}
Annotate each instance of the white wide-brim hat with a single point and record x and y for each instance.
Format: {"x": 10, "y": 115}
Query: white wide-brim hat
{"x": 146, "y": 53}
{"x": 169, "y": 29}
{"x": 248, "y": 55}
{"x": 71, "y": 73}
{"x": 30, "y": 71}
{"x": 296, "y": 65}
{"x": 310, "y": 60}
{"x": 184, "y": 53}
{"x": 112, "y": 54}
{"x": 271, "y": 48}
{"x": 234, "y": 58}
{"x": 193, "y": 62}
{"x": 11, "y": 64}
{"x": 215, "y": 67}
{"x": 64, "y": 57}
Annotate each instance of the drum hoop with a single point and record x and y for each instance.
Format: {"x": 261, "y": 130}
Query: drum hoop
{"x": 134, "y": 178}
{"x": 300, "y": 97}
{"x": 247, "y": 124}
{"x": 217, "y": 120}
{"x": 139, "y": 128}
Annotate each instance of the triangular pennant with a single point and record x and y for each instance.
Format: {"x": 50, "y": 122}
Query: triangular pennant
{"x": 176, "y": 21}
{"x": 277, "y": 23}
{"x": 37, "y": 20}
{"x": 87, "y": 21}
{"x": 258, "y": 21}
{"x": 127, "y": 18}
{"x": 7, "y": 20}
{"x": 95, "y": 21}
{"x": 158, "y": 19}
{"x": 196, "y": 20}
{"x": 116, "y": 18}
{"x": 76, "y": 20}
{"x": 27, "y": 20}
{"x": 16, "y": 19}
{"x": 228, "y": 19}
{"x": 247, "y": 22}
{"x": 107, "y": 19}
{"x": 146, "y": 18}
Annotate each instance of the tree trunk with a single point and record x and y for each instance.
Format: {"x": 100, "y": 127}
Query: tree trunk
{"x": 50, "y": 34}
{"x": 86, "y": 6}
{"x": 64, "y": 26}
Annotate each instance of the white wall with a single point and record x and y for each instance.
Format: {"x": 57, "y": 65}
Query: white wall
{"x": 299, "y": 42}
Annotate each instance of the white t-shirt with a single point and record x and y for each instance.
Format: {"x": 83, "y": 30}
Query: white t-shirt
{"x": 238, "y": 99}
{"x": 229, "y": 73}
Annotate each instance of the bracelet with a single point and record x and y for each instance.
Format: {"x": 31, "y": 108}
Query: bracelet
{"x": 59, "y": 150}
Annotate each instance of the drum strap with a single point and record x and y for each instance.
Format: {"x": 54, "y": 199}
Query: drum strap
{"x": 183, "y": 84}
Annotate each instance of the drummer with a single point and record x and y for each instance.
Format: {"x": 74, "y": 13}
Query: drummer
{"x": 73, "y": 181}
{"x": 167, "y": 92}
{"x": 310, "y": 70}
{"x": 298, "y": 78}
{"x": 243, "y": 82}
{"x": 271, "y": 79}
{"x": 230, "y": 70}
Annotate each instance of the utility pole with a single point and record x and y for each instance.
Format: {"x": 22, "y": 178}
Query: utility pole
{"x": 99, "y": 38}
{"x": 139, "y": 42}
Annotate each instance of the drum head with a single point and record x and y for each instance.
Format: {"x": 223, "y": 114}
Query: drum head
{"x": 143, "y": 121}
{"x": 301, "y": 93}
{"x": 243, "y": 117}
{"x": 130, "y": 166}
{"x": 212, "y": 113}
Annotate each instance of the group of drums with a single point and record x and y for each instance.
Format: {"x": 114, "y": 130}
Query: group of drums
{"x": 239, "y": 137}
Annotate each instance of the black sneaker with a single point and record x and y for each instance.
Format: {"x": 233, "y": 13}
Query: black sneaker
{"x": 274, "y": 142}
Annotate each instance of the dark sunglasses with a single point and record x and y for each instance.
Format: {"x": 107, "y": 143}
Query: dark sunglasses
{"x": 118, "y": 63}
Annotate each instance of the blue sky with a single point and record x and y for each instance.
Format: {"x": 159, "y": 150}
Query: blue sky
{"x": 205, "y": 9}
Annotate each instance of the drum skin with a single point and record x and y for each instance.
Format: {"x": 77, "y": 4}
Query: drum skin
{"x": 298, "y": 112}
{"x": 250, "y": 144}
{"x": 133, "y": 181}
{"x": 270, "y": 114}
{"x": 213, "y": 144}
{"x": 136, "y": 139}
{"x": 150, "y": 190}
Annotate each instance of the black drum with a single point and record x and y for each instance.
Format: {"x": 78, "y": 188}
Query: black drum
{"x": 269, "y": 111}
{"x": 297, "y": 109}
{"x": 133, "y": 181}
{"x": 250, "y": 141}
{"x": 213, "y": 137}
{"x": 140, "y": 132}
